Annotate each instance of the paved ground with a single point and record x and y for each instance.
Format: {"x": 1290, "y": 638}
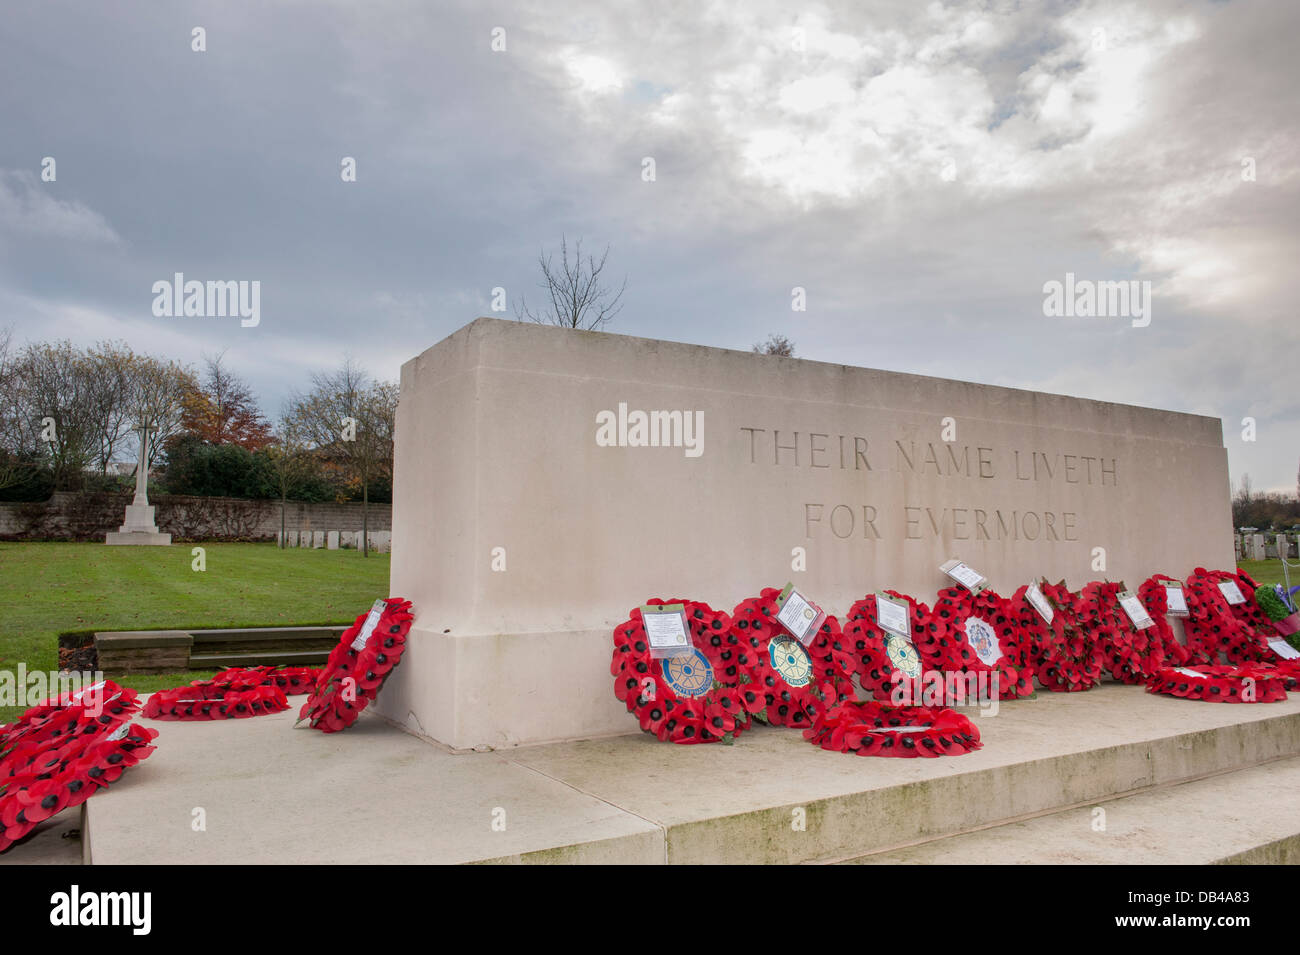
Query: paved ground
{"x": 262, "y": 790}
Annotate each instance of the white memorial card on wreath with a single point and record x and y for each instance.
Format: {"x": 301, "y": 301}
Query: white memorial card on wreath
{"x": 965, "y": 575}
{"x": 1175, "y": 599}
{"x": 893, "y": 616}
{"x": 1284, "y": 649}
{"x": 1136, "y": 612}
{"x": 799, "y": 615}
{"x": 372, "y": 620}
{"x": 1231, "y": 592}
{"x": 1040, "y": 603}
{"x": 666, "y": 629}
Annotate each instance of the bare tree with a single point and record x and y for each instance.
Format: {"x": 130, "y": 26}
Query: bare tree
{"x": 775, "y": 345}
{"x": 16, "y": 455}
{"x": 576, "y": 294}
{"x": 56, "y": 408}
{"x": 291, "y": 462}
{"x": 112, "y": 368}
{"x": 157, "y": 399}
{"x": 349, "y": 419}
{"x": 1247, "y": 492}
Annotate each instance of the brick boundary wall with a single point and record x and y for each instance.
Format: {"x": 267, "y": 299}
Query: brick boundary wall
{"x": 87, "y": 517}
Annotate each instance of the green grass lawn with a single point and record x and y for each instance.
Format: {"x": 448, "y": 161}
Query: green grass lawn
{"x": 48, "y": 589}
{"x": 1268, "y": 571}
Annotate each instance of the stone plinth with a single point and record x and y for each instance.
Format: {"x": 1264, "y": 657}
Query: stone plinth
{"x": 528, "y": 519}
{"x": 138, "y": 529}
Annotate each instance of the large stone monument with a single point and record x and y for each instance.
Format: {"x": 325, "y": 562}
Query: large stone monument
{"x": 139, "y": 526}
{"x": 549, "y": 480}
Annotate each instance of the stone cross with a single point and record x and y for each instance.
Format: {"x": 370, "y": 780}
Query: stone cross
{"x": 142, "y": 470}
{"x": 139, "y": 526}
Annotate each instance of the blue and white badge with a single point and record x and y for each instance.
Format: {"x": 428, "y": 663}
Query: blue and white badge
{"x": 983, "y": 639}
{"x": 689, "y": 673}
{"x": 902, "y": 654}
{"x": 790, "y": 661}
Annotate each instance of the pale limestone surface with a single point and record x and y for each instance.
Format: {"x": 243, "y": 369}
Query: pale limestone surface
{"x": 1246, "y": 817}
{"x": 375, "y": 794}
{"x": 498, "y": 464}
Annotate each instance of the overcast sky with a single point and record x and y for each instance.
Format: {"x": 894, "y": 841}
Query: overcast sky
{"x": 920, "y": 170}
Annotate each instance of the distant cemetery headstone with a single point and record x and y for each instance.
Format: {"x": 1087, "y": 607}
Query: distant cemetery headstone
{"x": 549, "y": 480}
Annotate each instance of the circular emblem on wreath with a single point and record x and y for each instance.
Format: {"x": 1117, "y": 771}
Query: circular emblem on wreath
{"x": 983, "y": 639}
{"x": 903, "y": 655}
{"x": 688, "y": 673}
{"x": 790, "y": 661}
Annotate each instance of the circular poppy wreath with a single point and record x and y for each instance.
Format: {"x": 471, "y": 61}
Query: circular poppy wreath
{"x": 875, "y": 655}
{"x": 1216, "y": 626}
{"x": 1220, "y": 684}
{"x": 1032, "y": 625}
{"x": 873, "y": 728}
{"x": 1155, "y": 597}
{"x": 353, "y": 676}
{"x": 1069, "y": 653}
{"x": 789, "y": 676}
{"x": 720, "y": 669}
{"x": 1132, "y": 655}
{"x": 981, "y": 633}
{"x": 230, "y": 695}
{"x": 72, "y": 714}
{"x": 1287, "y": 670}
{"x": 291, "y": 681}
{"x": 60, "y": 753}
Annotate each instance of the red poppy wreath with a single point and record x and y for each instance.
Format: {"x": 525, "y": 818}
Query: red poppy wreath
{"x": 62, "y": 752}
{"x": 1238, "y": 631}
{"x": 357, "y": 668}
{"x": 789, "y": 675}
{"x": 1131, "y": 653}
{"x": 1220, "y": 684}
{"x": 1154, "y": 594}
{"x": 230, "y": 695}
{"x": 872, "y": 728}
{"x": 1069, "y": 654}
{"x": 982, "y": 634}
{"x": 882, "y": 660}
{"x": 703, "y": 695}
{"x": 291, "y": 681}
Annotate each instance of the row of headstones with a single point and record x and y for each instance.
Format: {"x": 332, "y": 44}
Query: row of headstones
{"x": 381, "y": 541}
{"x": 1258, "y": 547}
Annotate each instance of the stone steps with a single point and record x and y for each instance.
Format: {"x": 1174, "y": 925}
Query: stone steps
{"x": 1245, "y": 816}
{"x": 386, "y": 796}
{"x": 289, "y": 658}
{"x": 172, "y": 651}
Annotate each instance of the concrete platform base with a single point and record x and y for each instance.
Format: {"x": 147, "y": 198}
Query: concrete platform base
{"x": 260, "y": 791}
{"x": 137, "y": 539}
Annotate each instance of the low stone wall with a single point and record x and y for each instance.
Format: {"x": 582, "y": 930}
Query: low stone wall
{"x": 88, "y": 517}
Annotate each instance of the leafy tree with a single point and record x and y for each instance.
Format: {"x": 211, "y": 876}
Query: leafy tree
{"x": 222, "y": 410}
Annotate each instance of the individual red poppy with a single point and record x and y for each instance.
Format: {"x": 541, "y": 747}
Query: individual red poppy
{"x": 42, "y": 800}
